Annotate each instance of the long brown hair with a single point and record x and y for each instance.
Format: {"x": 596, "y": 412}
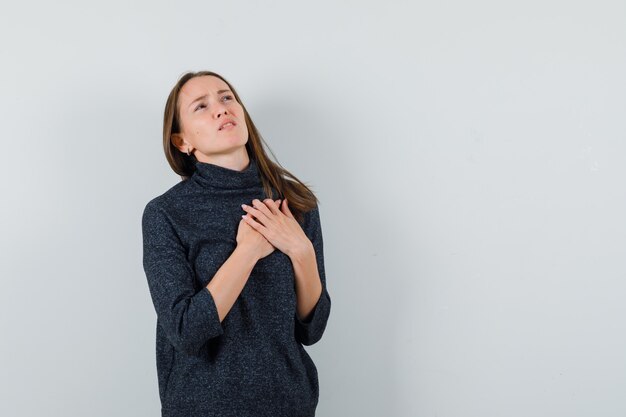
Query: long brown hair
{"x": 301, "y": 198}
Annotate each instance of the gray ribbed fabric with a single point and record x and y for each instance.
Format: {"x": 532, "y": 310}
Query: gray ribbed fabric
{"x": 253, "y": 364}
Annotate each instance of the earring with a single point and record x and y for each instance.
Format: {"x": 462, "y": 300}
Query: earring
{"x": 188, "y": 152}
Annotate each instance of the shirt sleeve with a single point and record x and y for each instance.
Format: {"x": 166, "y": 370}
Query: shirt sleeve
{"x": 188, "y": 317}
{"x": 311, "y": 330}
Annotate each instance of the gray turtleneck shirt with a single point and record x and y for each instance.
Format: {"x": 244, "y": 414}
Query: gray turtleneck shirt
{"x": 253, "y": 363}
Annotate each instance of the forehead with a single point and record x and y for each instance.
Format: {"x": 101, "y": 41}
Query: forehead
{"x": 197, "y": 86}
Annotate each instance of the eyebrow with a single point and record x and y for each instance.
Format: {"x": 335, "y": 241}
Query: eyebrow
{"x": 206, "y": 95}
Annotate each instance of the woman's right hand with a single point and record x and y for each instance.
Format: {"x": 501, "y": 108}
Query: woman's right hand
{"x": 249, "y": 238}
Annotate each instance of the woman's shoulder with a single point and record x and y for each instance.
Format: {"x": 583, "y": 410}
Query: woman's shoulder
{"x": 170, "y": 200}
{"x": 172, "y": 195}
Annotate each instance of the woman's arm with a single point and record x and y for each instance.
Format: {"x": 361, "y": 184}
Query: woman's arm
{"x": 312, "y": 305}
{"x": 308, "y": 283}
{"x": 305, "y": 248}
{"x": 229, "y": 280}
{"x": 188, "y": 316}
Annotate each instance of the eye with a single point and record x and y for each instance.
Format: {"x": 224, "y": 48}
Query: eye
{"x": 201, "y": 105}
{"x": 228, "y": 97}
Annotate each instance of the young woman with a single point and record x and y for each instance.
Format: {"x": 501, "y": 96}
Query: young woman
{"x": 235, "y": 274}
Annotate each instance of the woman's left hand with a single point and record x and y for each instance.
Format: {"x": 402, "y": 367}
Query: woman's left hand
{"x": 275, "y": 222}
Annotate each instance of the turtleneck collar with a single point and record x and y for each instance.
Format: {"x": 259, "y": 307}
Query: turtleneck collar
{"x": 211, "y": 175}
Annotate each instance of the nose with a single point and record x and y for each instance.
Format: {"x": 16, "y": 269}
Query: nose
{"x": 219, "y": 109}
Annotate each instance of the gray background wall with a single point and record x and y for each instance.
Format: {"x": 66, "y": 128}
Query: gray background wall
{"x": 469, "y": 160}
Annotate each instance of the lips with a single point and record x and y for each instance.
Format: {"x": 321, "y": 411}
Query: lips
{"x": 226, "y": 122}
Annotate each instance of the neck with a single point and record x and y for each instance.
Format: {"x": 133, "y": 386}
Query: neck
{"x": 236, "y": 161}
{"x": 215, "y": 175}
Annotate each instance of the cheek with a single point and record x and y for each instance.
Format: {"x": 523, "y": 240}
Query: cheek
{"x": 204, "y": 126}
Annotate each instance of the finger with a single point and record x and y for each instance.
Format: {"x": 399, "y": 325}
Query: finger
{"x": 285, "y": 208}
{"x": 263, "y": 207}
{"x": 256, "y": 213}
{"x": 254, "y": 224}
{"x": 272, "y": 206}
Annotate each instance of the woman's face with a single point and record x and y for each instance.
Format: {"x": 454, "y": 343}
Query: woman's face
{"x": 206, "y": 103}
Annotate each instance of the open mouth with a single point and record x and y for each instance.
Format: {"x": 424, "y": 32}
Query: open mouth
{"x": 227, "y": 126}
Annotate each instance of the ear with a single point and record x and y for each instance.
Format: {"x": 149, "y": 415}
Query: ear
{"x": 179, "y": 142}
